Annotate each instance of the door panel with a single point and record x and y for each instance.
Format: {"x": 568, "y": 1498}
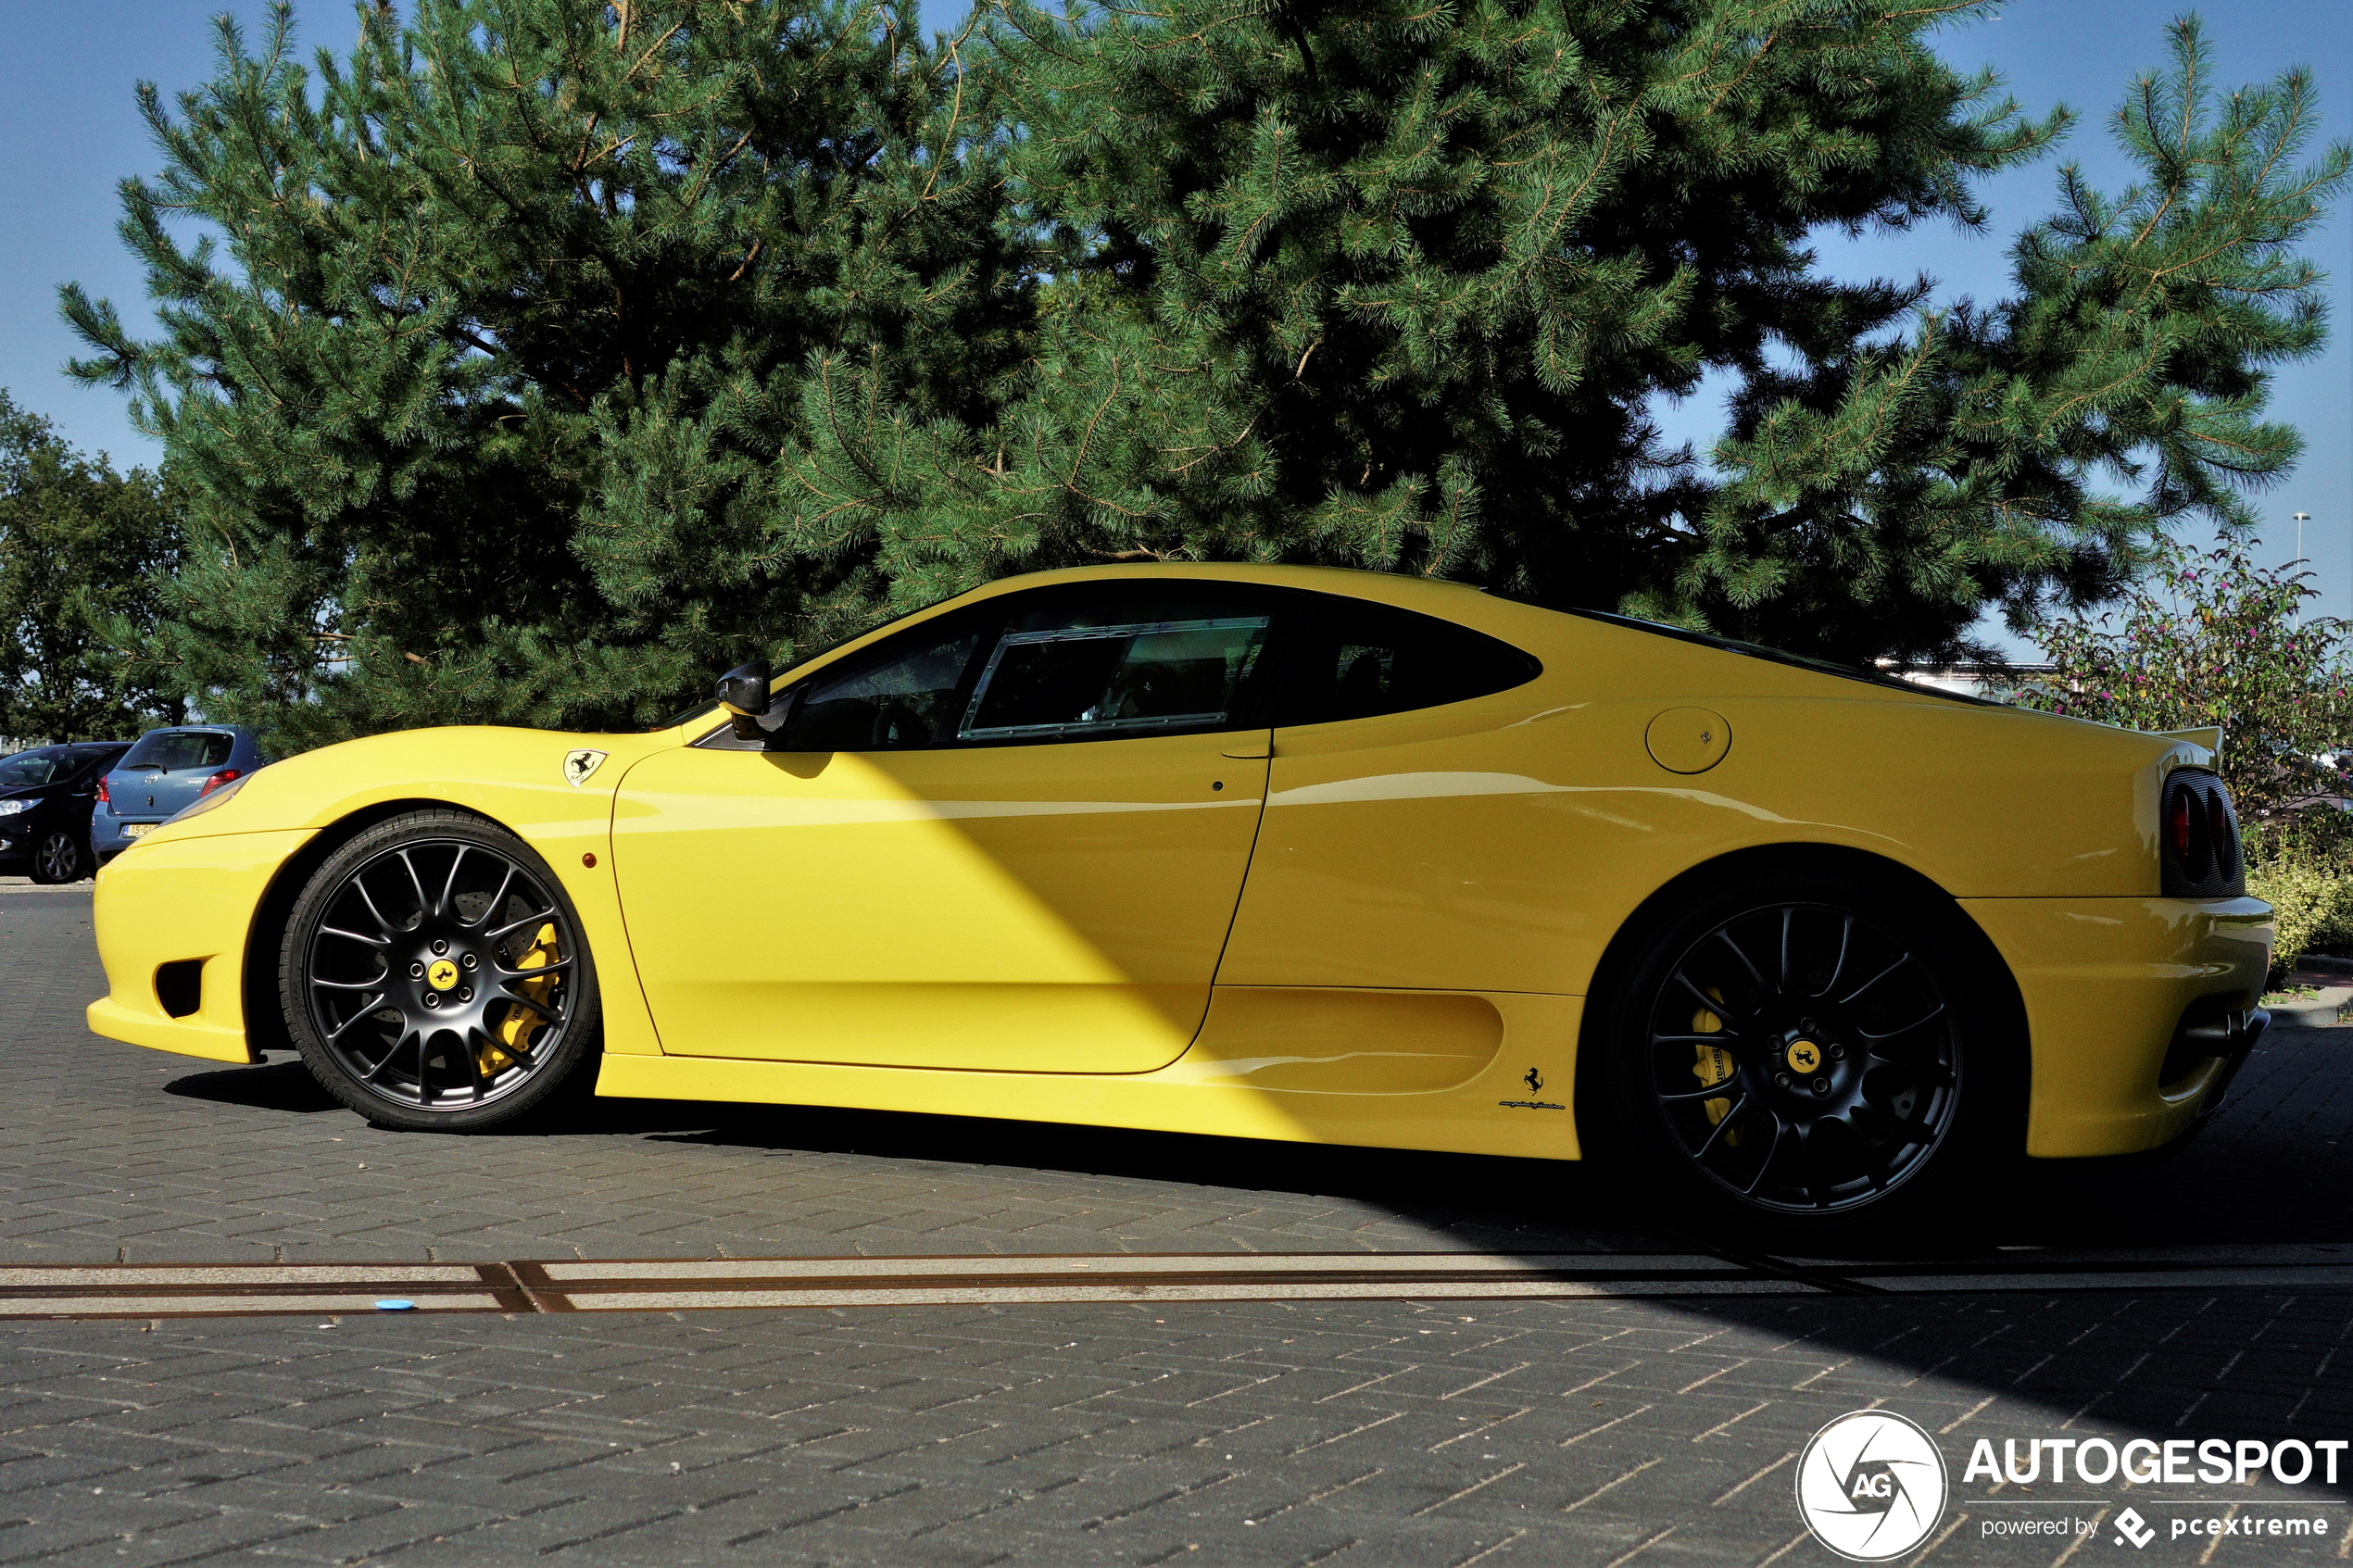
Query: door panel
{"x": 1049, "y": 908}
{"x": 1436, "y": 851}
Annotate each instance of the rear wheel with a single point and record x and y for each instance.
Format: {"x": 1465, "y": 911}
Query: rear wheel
{"x": 434, "y": 976}
{"x": 59, "y": 857}
{"x": 1811, "y": 1056}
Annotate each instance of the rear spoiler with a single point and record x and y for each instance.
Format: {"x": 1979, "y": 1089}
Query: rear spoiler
{"x": 2210, "y": 737}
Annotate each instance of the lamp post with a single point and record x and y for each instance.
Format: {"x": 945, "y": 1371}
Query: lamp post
{"x": 2301, "y": 519}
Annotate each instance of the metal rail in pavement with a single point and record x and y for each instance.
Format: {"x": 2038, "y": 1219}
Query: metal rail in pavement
{"x": 145, "y": 1290}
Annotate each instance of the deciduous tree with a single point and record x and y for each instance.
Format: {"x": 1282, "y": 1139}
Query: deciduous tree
{"x": 81, "y": 551}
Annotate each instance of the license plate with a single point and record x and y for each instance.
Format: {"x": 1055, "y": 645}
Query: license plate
{"x": 138, "y": 830}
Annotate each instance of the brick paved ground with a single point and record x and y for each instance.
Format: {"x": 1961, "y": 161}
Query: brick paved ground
{"x": 1265, "y": 1433}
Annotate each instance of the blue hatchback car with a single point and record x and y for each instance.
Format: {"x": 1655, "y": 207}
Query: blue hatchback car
{"x": 164, "y": 771}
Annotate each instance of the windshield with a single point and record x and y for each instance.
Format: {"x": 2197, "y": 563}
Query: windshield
{"x": 48, "y": 765}
{"x": 174, "y": 749}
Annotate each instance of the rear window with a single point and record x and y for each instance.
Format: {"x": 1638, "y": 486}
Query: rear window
{"x": 174, "y": 749}
{"x": 1360, "y": 659}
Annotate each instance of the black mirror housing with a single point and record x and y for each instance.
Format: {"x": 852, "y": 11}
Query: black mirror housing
{"x": 743, "y": 692}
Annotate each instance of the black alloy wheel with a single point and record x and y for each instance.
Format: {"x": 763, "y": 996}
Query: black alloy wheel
{"x": 435, "y": 977}
{"x": 1811, "y": 1060}
{"x": 58, "y": 857}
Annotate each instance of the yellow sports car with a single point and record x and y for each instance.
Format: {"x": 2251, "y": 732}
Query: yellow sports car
{"x": 1277, "y": 852}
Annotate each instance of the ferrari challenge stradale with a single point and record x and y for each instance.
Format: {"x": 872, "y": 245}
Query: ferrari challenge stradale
{"x": 1286, "y": 853}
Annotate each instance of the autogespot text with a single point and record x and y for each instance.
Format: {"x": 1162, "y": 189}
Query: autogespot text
{"x": 2145, "y": 1462}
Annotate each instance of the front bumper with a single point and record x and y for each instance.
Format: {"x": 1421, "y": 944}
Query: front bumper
{"x": 18, "y": 835}
{"x": 178, "y": 901}
{"x": 2141, "y": 1010}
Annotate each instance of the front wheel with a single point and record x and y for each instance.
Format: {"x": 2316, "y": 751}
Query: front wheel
{"x": 1811, "y": 1056}
{"x": 434, "y": 978}
{"x": 59, "y": 857}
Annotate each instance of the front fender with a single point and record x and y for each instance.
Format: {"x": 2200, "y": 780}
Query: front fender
{"x": 201, "y": 884}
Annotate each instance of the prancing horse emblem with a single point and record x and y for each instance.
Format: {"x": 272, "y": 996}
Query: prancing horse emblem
{"x": 1533, "y": 1079}
{"x": 578, "y": 765}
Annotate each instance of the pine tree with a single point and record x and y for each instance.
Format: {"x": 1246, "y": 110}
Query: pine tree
{"x": 81, "y": 548}
{"x": 489, "y": 410}
{"x": 549, "y": 356}
{"x": 2038, "y": 452}
{"x": 1375, "y": 284}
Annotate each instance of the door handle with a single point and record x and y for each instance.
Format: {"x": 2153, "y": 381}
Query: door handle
{"x": 1250, "y": 750}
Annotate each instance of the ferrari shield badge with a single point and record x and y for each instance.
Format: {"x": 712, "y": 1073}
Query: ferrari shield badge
{"x": 578, "y": 765}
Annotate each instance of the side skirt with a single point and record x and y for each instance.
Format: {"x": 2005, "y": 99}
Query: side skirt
{"x": 1520, "y": 1105}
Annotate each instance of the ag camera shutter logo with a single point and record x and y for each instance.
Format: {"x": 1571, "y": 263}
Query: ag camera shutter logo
{"x": 1871, "y": 1486}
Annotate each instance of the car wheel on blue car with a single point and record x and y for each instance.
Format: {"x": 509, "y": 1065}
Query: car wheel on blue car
{"x": 1810, "y": 1055}
{"x": 434, "y": 976}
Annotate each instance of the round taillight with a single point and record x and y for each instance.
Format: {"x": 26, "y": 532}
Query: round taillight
{"x": 2221, "y": 833}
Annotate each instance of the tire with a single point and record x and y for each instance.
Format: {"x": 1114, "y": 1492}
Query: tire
{"x": 58, "y": 857}
{"x": 1868, "y": 1078}
{"x": 434, "y": 978}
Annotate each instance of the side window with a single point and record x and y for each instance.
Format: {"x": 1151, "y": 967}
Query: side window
{"x": 1358, "y": 659}
{"x": 1100, "y": 668}
{"x": 900, "y": 697}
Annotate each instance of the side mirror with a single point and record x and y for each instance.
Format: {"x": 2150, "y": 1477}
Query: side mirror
{"x": 743, "y": 692}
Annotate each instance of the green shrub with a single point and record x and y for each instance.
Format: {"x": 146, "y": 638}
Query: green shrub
{"x": 2302, "y": 865}
{"x": 2306, "y": 897}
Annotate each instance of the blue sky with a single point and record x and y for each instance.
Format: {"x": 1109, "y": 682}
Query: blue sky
{"x": 66, "y": 113}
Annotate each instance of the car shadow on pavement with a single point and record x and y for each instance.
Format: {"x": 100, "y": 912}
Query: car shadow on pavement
{"x": 2274, "y": 1167}
{"x": 281, "y": 1085}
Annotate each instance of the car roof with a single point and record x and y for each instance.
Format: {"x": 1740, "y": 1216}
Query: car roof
{"x": 1433, "y": 594}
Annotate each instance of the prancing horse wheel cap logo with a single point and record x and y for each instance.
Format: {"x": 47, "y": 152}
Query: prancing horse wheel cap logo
{"x": 1871, "y": 1486}
{"x": 442, "y": 974}
{"x": 1804, "y": 1056}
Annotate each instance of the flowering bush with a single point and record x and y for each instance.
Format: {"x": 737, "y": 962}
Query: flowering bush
{"x": 2209, "y": 638}
{"x": 2206, "y": 637}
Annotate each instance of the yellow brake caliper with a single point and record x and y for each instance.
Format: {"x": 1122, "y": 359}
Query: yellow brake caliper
{"x": 1715, "y": 1066}
{"x": 520, "y": 1025}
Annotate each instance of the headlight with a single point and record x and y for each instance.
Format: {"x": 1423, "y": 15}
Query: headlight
{"x": 207, "y": 802}
{"x": 11, "y": 808}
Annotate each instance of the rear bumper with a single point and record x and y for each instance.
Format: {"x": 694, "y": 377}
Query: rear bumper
{"x": 2141, "y": 1010}
{"x": 107, "y": 839}
{"x": 175, "y": 901}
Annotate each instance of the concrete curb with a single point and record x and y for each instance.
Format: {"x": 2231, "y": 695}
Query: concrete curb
{"x": 2319, "y": 1012}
